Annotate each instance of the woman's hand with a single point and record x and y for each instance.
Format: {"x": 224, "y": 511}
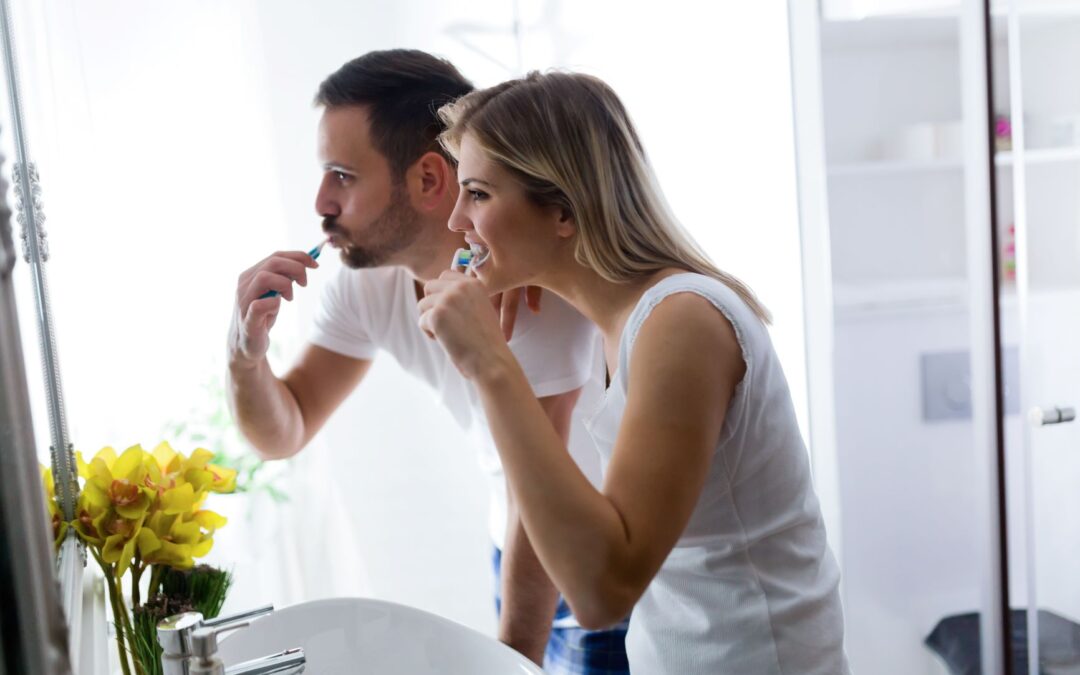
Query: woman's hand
{"x": 457, "y": 311}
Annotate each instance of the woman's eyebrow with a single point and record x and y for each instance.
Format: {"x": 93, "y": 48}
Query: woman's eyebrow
{"x": 468, "y": 181}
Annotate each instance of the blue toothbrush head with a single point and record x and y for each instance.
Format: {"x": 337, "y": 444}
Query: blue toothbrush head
{"x": 314, "y": 253}
{"x": 462, "y": 258}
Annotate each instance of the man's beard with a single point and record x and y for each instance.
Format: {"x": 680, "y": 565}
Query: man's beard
{"x": 392, "y": 232}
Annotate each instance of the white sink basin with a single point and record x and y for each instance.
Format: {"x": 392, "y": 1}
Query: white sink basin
{"x": 347, "y": 636}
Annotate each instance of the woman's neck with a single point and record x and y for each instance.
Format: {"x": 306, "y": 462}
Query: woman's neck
{"x": 607, "y": 304}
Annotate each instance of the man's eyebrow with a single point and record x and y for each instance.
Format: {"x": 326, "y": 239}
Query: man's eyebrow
{"x": 468, "y": 181}
{"x": 334, "y": 166}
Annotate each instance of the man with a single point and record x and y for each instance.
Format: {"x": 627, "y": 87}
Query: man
{"x": 387, "y": 192}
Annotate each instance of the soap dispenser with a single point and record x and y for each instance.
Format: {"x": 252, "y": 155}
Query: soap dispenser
{"x": 204, "y": 646}
{"x": 174, "y": 636}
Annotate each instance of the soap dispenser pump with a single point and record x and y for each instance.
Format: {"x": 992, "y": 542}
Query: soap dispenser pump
{"x": 204, "y": 646}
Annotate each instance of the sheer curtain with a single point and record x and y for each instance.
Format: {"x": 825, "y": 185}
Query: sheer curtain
{"x": 176, "y": 143}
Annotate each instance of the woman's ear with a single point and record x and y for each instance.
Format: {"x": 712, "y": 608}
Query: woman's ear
{"x": 565, "y": 226}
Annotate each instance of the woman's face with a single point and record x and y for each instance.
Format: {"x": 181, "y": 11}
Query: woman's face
{"x": 513, "y": 238}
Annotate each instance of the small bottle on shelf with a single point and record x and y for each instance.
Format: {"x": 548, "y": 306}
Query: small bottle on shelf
{"x": 1002, "y": 133}
{"x": 1008, "y": 257}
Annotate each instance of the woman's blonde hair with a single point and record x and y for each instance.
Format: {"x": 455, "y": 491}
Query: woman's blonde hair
{"x": 567, "y": 138}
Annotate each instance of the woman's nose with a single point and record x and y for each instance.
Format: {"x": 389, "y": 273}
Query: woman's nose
{"x": 458, "y": 221}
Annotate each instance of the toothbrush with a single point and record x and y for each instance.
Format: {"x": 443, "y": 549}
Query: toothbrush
{"x": 463, "y": 259}
{"x": 468, "y": 259}
{"x": 314, "y": 253}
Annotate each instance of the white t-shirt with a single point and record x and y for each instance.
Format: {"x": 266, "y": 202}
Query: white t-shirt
{"x": 364, "y": 311}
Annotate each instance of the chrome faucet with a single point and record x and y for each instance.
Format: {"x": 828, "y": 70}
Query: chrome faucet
{"x": 288, "y": 662}
{"x": 175, "y": 634}
{"x": 204, "y": 660}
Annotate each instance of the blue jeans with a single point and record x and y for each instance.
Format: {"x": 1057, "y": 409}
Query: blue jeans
{"x": 572, "y": 650}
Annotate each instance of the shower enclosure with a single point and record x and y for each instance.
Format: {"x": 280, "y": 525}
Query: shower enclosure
{"x": 939, "y": 167}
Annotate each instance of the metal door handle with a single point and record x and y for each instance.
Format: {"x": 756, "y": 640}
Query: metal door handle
{"x": 1054, "y": 415}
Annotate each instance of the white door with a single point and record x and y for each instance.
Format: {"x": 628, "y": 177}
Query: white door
{"x": 1044, "y": 168}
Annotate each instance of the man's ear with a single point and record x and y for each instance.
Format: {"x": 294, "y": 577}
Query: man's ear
{"x": 429, "y": 179}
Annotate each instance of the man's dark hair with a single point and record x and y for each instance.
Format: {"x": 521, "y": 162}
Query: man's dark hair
{"x": 402, "y": 90}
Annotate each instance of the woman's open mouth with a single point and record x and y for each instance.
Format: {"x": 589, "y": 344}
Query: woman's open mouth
{"x": 480, "y": 253}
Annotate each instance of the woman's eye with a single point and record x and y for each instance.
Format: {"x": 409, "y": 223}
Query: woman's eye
{"x": 477, "y": 195}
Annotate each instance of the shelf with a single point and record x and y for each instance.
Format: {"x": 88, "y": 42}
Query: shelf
{"x": 903, "y": 166}
{"x": 886, "y": 167}
{"x": 1042, "y": 156}
{"x": 935, "y": 296}
{"x": 940, "y": 28}
{"x": 898, "y": 32}
{"x": 872, "y": 299}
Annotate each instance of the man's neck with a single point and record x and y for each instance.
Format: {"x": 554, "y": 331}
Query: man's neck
{"x": 429, "y": 258}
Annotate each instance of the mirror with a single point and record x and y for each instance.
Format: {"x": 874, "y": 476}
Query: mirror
{"x": 175, "y": 155}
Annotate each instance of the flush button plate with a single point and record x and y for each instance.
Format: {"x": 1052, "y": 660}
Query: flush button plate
{"x": 946, "y": 384}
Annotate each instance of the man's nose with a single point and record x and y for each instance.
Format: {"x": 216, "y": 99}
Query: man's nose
{"x": 325, "y": 205}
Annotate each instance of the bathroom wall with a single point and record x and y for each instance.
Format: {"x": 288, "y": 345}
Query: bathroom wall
{"x": 910, "y": 501}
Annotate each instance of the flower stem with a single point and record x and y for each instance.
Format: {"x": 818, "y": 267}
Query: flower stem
{"x": 110, "y": 583}
{"x": 136, "y": 575}
{"x": 156, "y": 572}
{"x": 127, "y": 626}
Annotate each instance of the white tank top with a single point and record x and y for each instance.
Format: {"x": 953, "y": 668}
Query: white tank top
{"x": 751, "y": 586}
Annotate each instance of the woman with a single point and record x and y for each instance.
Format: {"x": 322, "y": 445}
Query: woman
{"x": 707, "y": 525}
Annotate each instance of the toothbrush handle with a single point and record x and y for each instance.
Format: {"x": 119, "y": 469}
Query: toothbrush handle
{"x": 314, "y": 253}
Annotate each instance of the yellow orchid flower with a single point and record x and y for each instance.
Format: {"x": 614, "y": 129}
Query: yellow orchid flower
{"x": 119, "y": 482}
{"x": 84, "y": 468}
{"x": 177, "y": 500}
{"x": 107, "y": 455}
{"x": 209, "y": 520}
{"x": 121, "y": 535}
{"x": 59, "y": 526}
{"x": 174, "y": 540}
{"x": 89, "y": 513}
{"x": 150, "y": 503}
{"x": 206, "y": 476}
{"x": 169, "y": 470}
{"x": 169, "y": 462}
{"x": 142, "y": 509}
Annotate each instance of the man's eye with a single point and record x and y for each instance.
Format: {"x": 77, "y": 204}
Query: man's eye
{"x": 341, "y": 176}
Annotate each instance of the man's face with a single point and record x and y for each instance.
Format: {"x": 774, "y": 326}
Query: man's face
{"x": 365, "y": 212}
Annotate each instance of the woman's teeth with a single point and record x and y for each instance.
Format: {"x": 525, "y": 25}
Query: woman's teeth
{"x": 480, "y": 254}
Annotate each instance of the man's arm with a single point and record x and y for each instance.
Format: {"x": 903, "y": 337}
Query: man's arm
{"x": 528, "y": 596}
{"x": 280, "y": 415}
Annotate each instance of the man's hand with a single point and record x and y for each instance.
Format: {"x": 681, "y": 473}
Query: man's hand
{"x": 507, "y": 305}
{"x": 253, "y": 314}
